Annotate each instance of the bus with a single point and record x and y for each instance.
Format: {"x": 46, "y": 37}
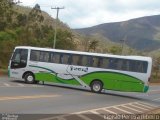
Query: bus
{"x": 74, "y": 68}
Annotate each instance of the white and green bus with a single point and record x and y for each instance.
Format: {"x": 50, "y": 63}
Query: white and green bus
{"x": 89, "y": 70}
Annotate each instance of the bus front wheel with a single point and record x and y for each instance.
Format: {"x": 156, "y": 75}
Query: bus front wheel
{"x": 96, "y": 86}
{"x": 29, "y": 78}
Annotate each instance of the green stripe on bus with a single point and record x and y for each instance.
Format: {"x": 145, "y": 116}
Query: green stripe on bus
{"x": 114, "y": 81}
{"x": 53, "y": 78}
{"x": 111, "y": 80}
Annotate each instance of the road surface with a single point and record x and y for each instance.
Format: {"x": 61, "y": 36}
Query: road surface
{"x": 16, "y": 97}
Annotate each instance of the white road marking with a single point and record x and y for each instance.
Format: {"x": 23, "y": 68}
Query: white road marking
{"x": 34, "y": 85}
{"x": 138, "y": 107}
{"x": 156, "y": 99}
{"x": 105, "y": 109}
{"x": 122, "y": 110}
{"x": 61, "y": 118}
{"x": 100, "y": 108}
{"x": 147, "y": 104}
{"x": 27, "y": 97}
{"x": 144, "y": 105}
{"x": 20, "y": 85}
{"x": 94, "y": 111}
{"x": 153, "y": 90}
{"x": 7, "y": 85}
{"x": 132, "y": 109}
{"x": 97, "y": 113}
{"x": 84, "y": 117}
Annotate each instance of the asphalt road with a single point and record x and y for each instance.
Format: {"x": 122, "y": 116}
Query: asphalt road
{"x": 19, "y": 98}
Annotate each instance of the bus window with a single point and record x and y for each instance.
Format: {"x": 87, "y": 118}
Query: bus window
{"x": 94, "y": 62}
{"x": 85, "y": 61}
{"x": 16, "y": 56}
{"x": 35, "y": 55}
{"x": 100, "y": 62}
{"x": 145, "y": 66}
{"x": 105, "y": 63}
{"x": 119, "y": 64}
{"x": 125, "y": 65}
{"x": 132, "y": 66}
{"x": 113, "y": 62}
{"x": 55, "y": 57}
{"x": 141, "y": 66}
{"x": 66, "y": 59}
{"x": 44, "y": 56}
{"x": 76, "y": 60}
{"x": 19, "y": 59}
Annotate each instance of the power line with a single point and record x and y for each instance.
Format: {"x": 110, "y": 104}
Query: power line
{"x": 55, "y": 32}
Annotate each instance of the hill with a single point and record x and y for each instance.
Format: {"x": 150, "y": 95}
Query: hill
{"x": 26, "y": 26}
{"x": 141, "y": 33}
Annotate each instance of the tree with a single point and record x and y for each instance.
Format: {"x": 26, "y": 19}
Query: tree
{"x": 93, "y": 45}
{"x": 64, "y": 40}
{"x": 21, "y": 19}
{"x": 5, "y": 13}
{"x": 115, "y": 50}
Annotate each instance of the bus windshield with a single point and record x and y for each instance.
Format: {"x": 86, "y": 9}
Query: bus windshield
{"x": 19, "y": 58}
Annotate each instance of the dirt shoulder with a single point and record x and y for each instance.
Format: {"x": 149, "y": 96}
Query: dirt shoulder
{"x": 156, "y": 111}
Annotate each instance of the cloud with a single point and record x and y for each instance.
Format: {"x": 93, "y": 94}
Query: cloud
{"x": 28, "y": 2}
{"x": 85, "y": 13}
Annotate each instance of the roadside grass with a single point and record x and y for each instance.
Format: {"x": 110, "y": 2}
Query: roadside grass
{"x": 3, "y": 72}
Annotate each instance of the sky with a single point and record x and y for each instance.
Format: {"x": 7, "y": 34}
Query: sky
{"x": 87, "y": 13}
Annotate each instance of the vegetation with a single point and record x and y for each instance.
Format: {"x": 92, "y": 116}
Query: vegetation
{"x": 18, "y": 28}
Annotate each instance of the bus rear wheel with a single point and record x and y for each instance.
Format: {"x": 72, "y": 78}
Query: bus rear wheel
{"x": 96, "y": 86}
{"x": 29, "y": 78}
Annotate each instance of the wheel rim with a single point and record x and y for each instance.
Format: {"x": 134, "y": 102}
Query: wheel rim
{"x": 96, "y": 87}
{"x": 30, "y": 78}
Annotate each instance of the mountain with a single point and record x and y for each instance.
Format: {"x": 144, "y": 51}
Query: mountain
{"x": 140, "y": 33}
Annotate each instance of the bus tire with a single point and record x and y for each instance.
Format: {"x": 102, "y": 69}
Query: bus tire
{"x": 96, "y": 86}
{"x": 29, "y": 78}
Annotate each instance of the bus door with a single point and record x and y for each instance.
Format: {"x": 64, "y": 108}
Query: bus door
{"x": 18, "y": 62}
{"x": 77, "y": 68}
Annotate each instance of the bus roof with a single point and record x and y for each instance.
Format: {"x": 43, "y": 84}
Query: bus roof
{"x": 88, "y": 53}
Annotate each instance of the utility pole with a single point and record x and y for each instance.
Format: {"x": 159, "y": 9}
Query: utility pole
{"x": 55, "y": 29}
{"x": 123, "y": 43}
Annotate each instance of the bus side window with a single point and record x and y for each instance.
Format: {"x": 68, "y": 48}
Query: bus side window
{"x": 66, "y": 59}
{"x": 100, "y": 62}
{"x": 119, "y": 64}
{"x": 55, "y": 58}
{"x": 79, "y": 62}
{"x": 132, "y": 66}
{"x": 85, "y": 61}
{"x": 139, "y": 66}
{"x": 35, "y": 55}
{"x": 75, "y": 59}
{"x": 145, "y": 66}
{"x": 94, "y": 61}
{"x": 113, "y": 63}
{"x": 51, "y": 57}
{"x": 24, "y": 56}
{"x": 44, "y": 56}
{"x": 90, "y": 61}
{"x": 16, "y": 56}
{"x": 105, "y": 63}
